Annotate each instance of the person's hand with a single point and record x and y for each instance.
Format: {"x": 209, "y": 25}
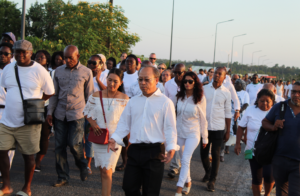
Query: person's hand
{"x": 49, "y": 120}
{"x": 96, "y": 129}
{"x": 99, "y": 71}
{"x": 111, "y": 145}
{"x": 237, "y": 148}
{"x": 226, "y": 136}
{"x": 168, "y": 157}
{"x": 236, "y": 115}
{"x": 278, "y": 124}
{"x": 204, "y": 145}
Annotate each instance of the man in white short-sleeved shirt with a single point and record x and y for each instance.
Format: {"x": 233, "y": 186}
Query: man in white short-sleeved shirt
{"x": 253, "y": 89}
{"x": 36, "y": 83}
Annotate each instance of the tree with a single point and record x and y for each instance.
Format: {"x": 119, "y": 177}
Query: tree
{"x": 10, "y": 17}
{"x": 42, "y": 44}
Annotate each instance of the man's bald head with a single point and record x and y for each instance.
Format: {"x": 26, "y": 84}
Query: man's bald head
{"x": 71, "y": 54}
{"x": 180, "y": 66}
{"x": 270, "y": 86}
{"x": 146, "y": 62}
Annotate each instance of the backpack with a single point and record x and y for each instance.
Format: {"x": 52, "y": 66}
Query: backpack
{"x": 265, "y": 145}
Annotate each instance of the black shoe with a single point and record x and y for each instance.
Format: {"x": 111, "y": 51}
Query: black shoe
{"x": 205, "y": 178}
{"x": 84, "y": 174}
{"x": 173, "y": 172}
{"x": 222, "y": 159}
{"x": 1, "y": 181}
{"x": 211, "y": 186}
{"x": 60, "y": 183}
{"x": 37, "y": 169}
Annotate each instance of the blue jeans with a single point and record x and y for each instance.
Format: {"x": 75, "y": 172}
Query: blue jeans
{"x": 89, "y": 152}
{"x": 68, "y": 133}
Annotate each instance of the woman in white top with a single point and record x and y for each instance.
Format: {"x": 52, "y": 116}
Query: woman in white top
{"x": 114, "y": 102}
{"x": 191, "y": 126}
{"x": 251, "y": 121}
{"x": 279, "y": 88}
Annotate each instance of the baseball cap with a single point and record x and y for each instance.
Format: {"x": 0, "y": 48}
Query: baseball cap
{"x": 11, "y": 35}
{"x": 22, "y": 45}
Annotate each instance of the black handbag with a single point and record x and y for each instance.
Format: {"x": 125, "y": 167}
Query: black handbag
{"x": 266, "y": 143}
{"x": 33, "y": 108}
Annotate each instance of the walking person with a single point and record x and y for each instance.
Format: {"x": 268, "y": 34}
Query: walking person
{"x": 152, "y": 59}
{"x": 57, "y": 59}
{"x": 289, "y": 89}
{"x": 96, "y": 63}
{"x": 73, "y": 84}
{"x": 191, "y": 126}
{"x": 122, "y": 58}
{"x": 201, "y": 75}
{"x": 252, "y": 121}
{"x": 209, "y": 77}
{"x": 35, "y": 83}
{"x": 253, "y": 89}
{"x": 150, "y": 120}
{"x": 286, "y": 160}
{"x": 161, "y": 67}
{"x": 279, "y": 88}
{"x": 9, "y": 38}
{"x": 166, "y": 76}
{"x": 114, "y": 102}
{"x": 285, "y": 89}
{"x": 111, "y": 63}
{"x": 218, "y": 115}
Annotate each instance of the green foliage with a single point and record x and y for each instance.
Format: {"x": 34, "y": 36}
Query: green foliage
{"x": 50, "y": 46}
{"x": 10, "y": 17}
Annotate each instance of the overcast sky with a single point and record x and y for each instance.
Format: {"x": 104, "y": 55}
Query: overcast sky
{"x": 273, "y": 26}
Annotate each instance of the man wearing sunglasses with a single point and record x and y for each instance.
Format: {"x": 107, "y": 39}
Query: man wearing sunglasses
{"x": 152, "y": 59}
{"x": 171, "y": 89}
{"x": 10, "y": 38}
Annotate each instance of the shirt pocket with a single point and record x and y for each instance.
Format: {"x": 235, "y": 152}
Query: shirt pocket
{"x": 63, "y": 82}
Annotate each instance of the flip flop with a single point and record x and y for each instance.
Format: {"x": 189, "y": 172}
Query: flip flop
{"x": 186, "y": 190}
{"x": 22, "y": 193}
{"x": 6, "y": 194}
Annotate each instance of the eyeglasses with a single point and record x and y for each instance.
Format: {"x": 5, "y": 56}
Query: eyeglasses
{"x": 92, "y": 62}
{"x": 147, "y": 80}
{"x": 295, "y": 92}
{"x": 188, "y": 81}
{"x": 152, "y": 58}
{"x": 178, "y": 72}
{"x": 161, "y": 68}
{"x": 5, "y": 53}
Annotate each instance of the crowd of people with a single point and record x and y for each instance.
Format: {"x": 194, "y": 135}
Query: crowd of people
{"x": 149, "y": 113}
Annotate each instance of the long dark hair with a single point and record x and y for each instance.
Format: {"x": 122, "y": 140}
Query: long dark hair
{"x": 60, "y": 53}
{"x": 264, "y": 92}
{"x": 119, "y": 73}
{"x": 198, "y": 90}
{"x": 112, "y": 59}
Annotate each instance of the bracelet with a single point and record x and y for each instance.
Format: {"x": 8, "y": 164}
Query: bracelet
{"x": 237, "y": 110}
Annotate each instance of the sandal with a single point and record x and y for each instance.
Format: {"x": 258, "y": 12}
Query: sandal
{"x": 186, "y": 190}
{"x": 89, "y": 171}
{"x": 22, "y": 193}
{"x": 178, "y": 194}
{"x": 120, "y": 168}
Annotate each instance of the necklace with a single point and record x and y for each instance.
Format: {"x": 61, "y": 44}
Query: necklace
{"x": 109, "y": 104}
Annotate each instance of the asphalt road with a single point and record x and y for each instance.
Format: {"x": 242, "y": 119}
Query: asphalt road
{"x": 234, "y": 178}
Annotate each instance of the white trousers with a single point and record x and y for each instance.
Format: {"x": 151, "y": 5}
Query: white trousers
{"x": 187, "y": 148}
{"x": 11, "y": 154}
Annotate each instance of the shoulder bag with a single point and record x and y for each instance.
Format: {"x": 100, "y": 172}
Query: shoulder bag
{"x": 104, "y": 136}
{"x": 33, "y": 108}
{"x": 265, "y": 145}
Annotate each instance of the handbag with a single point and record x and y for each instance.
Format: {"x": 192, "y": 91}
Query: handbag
{"x": 33, "y": 108}
{"x": 266, "y": 143}
{"x": 104, "y": 136}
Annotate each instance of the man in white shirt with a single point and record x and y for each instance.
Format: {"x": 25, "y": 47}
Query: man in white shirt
{"x": 171, "y": 89}
{"x": 286, "y": 86}
{"x": 272, "y": 88}
{"x": 253, "y": 89}
{"x": 122, "y": 57}
{"x": 218, "y": 115}
{"x": 152, "y": 59}
{"x": 201, "y": 75}
{"x": 36, "y": 84}
{"x": 150, "y": 120}
{"x": 289, "y": 89}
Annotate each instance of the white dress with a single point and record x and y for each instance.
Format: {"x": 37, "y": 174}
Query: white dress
{"x": 93, "y": 110}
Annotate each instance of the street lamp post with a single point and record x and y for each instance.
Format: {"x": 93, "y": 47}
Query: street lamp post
{"x": 216, "y": 39}
{"x": 23, "y": 20}
{"x": 170, "y": 62}
{"x": 253, "y": 54}
{"x": 243, "y": 50}
{"x": 232, "y": 45}
{"x": 259, "y": 58}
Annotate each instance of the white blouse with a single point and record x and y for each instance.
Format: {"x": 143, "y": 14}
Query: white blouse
{"x": 191, "y": 119}
{"x": 93, "y": 110}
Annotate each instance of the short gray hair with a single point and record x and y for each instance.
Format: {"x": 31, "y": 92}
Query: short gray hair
{"x": 154, "y": 69}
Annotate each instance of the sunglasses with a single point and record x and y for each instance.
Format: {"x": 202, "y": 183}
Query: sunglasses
{"x": 5, "y": 53}
{"x": 92, "y": 62}
{"x": 188, "y": 81}
{"x": 161, "y": 68}
{"x": 147, "y": 80}
{"x": 152, "y": 58}
{"x": 211, "y": 72}
{"x": 295, "y": 92}
{"x": 178, "y": 72}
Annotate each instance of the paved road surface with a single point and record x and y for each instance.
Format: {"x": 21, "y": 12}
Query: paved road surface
{"x": 234, "y": 178}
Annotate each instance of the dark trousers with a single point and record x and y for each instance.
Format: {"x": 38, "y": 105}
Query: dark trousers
{"x": 44, "y": 141}
{"x": 68, "y": 134}
{"x": 286, "y": 173}
{"x": 144, "y": 168}
{"x": 215, "y": 138}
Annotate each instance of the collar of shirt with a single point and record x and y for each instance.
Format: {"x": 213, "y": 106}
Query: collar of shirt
{"x": 156, "y": 93}
{"x": 75, "y": 67}
{"x": 211, "y": 85}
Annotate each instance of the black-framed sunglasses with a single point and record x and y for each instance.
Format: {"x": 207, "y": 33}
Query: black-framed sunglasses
{"x": 161, "y": 68}
{"x": 92, "y": 62}
{"x": 152, "y": 58}
{"x": 177, "y": 72}
{"x": 5, "y": 53}
{"x": 188, "y": 81}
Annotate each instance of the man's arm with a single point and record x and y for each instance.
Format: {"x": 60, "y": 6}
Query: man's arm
{"x": 53, "y": 101}
{"x": 88, "y": 86}
{"x": 227, "y": 116}
{"x": 46, "y": 97}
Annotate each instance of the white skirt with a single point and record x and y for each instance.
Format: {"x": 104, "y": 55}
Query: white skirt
{"x": 104, "y": 159}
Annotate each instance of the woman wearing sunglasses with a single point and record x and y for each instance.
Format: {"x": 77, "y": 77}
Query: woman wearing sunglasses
{"x": 209, "y": 77}
{"x": 191, "y": 124}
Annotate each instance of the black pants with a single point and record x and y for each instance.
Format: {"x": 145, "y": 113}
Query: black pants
{"x": 144, "y": 168}
{"x": 44, "y": 141}
{"x": 260, "y": 172}
{"x": 215, "y": 138}
{"x": 286, "y": 172}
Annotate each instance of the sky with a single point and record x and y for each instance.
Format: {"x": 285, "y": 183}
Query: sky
{"x": 273, "y": 26}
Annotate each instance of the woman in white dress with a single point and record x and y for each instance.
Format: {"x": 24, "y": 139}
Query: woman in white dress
{"x": 191, "y": 126}
{"x": 114, "y": 102}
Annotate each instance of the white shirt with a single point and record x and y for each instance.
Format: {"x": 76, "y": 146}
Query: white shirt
{"x": 252, "y": 120}
{"x": 201, "y": 77}
{"x": 118, "y": 65}
{"x": 279, "y": 99}
{"x": 148, "y": 120}
{"x": 243, "y": 97}
{"x": 135, "y": 90}
{"x": 228, "y": 84}
{"x": 103, "y": 79}
{"x": 128, "y": 81}
{"x": 13, "y": 60}
{"x": 218, "y": 106}
{"x": 279, "y": 89}
{"x": 191, "y": 119}
{"x": 253, "y": 90}
{"x": 2, "y": 95}
{"x": 171, "y": 90}
{"x": 289, "y": 88}
{"x": 35, "y": 80}
{"x": 155, "y": 65}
